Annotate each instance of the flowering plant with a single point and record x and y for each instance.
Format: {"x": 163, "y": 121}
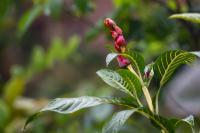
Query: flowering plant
{"x": 133, "y": 78}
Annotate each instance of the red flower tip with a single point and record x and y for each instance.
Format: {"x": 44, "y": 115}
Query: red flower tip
{"x": 109, "y": 23}
{"x": 123, "y": 62}
{"x": 119, "y": 42}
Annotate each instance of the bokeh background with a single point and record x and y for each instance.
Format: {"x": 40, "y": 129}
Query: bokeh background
{"x": 52, "y": 48}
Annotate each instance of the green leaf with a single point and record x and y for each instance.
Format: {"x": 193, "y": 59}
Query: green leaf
{"x": 197, "y": 53}
{"x": 4, "y": 115}
{"x": 157, "y": 121}
{"x": 117, "y": 121}
{"x": 30, "y": 119}
{"x": 168, "y": 62}
{"x": 110, "y": 57}
{"x": 27, "y": 19}
{"x": 132, "y": 81}
{"x": 124, "y": 81}
{"x": 67, "y": 105}
{"x": 136, "y": 59}
{"x": 14, "y": 88}
{"x": 189, "y": 120}
{"x": 59, "y": 51}
{"x": 70, "y": 105}
{"x": 192, "y": 17}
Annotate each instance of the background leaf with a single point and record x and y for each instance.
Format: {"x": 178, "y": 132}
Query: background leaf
{"x": 117, "y": 121}
{"x": 192, "y": 17}
{"x": 27, "y": 19}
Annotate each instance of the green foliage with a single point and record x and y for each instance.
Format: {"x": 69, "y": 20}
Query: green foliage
{"x": 117, "y": 121}
{"x": 130, "y": 83}
{"x": 136, "y": 59}
{"x": 46, "y": 7}
{"x": 58, "y": 51}
{"x": 28, "y": 18}
{"x": 4, "y": 114}
{"x": 70, "y": 105}
{"x": 110, "y": 57}
{"x": 147, "y": 35}
{"x": 188, "y": 120}
{"x": 168, "y": 62}
{"x": 122, "y": 80}
{"x": 83, "y": 6}
{"x": 192, "y": 17}
{"x": 165, "y": 66}
{"x": 14, "y": 88}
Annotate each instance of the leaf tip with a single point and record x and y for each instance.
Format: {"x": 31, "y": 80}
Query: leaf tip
{"x": 30, "y": 119}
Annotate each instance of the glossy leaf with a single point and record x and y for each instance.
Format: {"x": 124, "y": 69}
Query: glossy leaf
{"x": 197, "y": 53}
{"x": 67, "y": 105}
{"x": 133, "y": 83}
{"x": 168, "y": 62}
{"x": 110, "y": 57}
{"x": 189, "y": 120}
{"x": 117, "y": 121}
{"x": 121, "y": 81}
{"x": 70, "y": 105}
{"x": 192, "y": 17}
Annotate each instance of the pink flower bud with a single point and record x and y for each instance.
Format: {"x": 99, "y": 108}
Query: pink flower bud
{"x": 109, "y": 23}
{"x": 119, "y": 42}
{"x": 114, "y": 34}
{"x": 148, "y": 71}
{"x": 117, "y": 29}
{"x": 123, "y": 62}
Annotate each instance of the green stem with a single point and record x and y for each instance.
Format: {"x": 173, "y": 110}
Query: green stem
{"x": 156, "y": 101}
{"x": 163, "y": 130}
{"x": 144, "y": 89}
{"x": 148, "y": 98}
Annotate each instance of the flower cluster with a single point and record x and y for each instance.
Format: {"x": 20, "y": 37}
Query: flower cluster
{"x": 120, "y": 43}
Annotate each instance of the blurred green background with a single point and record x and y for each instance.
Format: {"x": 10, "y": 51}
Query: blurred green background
{"x": 52, "y": 48}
